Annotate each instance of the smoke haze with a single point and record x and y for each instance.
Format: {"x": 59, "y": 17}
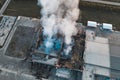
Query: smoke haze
{"x": 59, "y": 16}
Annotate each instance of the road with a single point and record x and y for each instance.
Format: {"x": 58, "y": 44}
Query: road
{"x": 103, "y": 2}
{"x": 4, "y": 6}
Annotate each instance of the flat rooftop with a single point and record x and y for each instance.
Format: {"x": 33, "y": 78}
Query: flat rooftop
{"x": 112, "y": 37}
{"x": 95, "y": 50}
{"x": 103, "y": 49}
{"x": 22, "y": 37}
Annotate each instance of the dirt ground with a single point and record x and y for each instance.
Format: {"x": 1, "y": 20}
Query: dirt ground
{"x": 101, "y": 16}
{"x": 30, "y": 8}
{"x": 113, "y": 0}
{"x": 27, "y": 8}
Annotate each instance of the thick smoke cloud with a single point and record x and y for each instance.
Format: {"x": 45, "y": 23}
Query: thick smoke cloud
{"x": 59, "y": 16}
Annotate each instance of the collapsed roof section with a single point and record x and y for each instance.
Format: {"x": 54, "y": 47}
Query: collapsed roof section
{"x": 56, "y": 57}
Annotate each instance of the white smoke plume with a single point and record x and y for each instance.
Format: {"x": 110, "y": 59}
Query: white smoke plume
{"x": 59, "y": 16}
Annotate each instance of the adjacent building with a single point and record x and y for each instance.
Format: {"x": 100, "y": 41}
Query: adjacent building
{"x": 102, "y": 53}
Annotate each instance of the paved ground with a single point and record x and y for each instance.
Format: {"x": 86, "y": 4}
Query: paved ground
{"x": 14, "y": 69}
{"x": 103, "y": 2}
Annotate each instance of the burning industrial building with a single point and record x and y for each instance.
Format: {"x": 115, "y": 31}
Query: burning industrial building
{"x": 60, "y": 41}
{"x": 59, "y": 17}
{"x": 57, "y": 46}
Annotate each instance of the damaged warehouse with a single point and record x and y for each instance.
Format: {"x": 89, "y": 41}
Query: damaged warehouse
{"x": 43, "y": 63}
{"x": 60, "y": 43}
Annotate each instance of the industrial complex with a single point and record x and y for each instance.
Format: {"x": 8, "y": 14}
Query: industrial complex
{"x": 30, "y": 50}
